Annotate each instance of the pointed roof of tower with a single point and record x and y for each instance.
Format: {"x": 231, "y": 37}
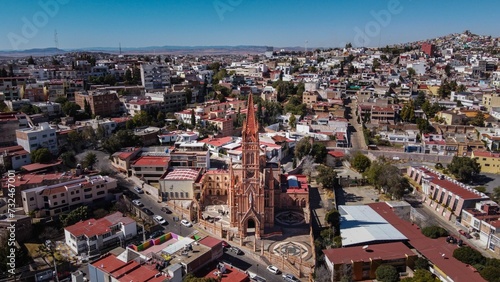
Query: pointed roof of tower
{"x": 251, "y": 125}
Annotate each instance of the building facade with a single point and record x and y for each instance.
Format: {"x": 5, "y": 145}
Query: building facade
{"x": 42, "y": 136}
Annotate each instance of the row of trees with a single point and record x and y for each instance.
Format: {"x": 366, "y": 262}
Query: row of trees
{"x": 489, "y": 268}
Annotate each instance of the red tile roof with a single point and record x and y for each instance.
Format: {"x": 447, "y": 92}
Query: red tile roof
{"x": 127, "y": 271}
{"x": 486, "y": 154}
{"x": 210, "y": 242}
{"x": 100, "y": 226}
{"x": 336, "y": 154}
{"x": 152, "y": 161}
{"x": 217, "y": 142}
{"x": 432, "y": 249}
{"x": 39, "y": 166}
{"x": 387, "y": 251}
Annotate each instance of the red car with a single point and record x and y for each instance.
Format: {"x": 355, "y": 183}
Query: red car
{"x": 467, "y": 235}
{"x": 225, "y": 244}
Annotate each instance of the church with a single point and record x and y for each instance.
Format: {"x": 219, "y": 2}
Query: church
{"x": 254, "y": 190}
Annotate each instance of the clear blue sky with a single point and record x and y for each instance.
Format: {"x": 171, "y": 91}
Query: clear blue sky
{"x": 330, "y": 23}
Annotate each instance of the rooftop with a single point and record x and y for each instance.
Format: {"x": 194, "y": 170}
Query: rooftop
{"x": 100, "y": 226}
{"x": 152, "y": 161}
{"x": 182, "y": 174}
{"x": 362, "y": 225}
{"x": 386, "y": 251}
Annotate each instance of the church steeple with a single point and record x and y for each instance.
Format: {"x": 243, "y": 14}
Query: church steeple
{"x": 251, "y": 127}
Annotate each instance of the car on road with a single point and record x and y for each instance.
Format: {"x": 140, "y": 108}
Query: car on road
{"x": 225, "y": 245}
{"x": 186, "y": 223}
{"x": 289, "y": 277}
{"x": 156, "y": 234}
{"x": 137, "y": 203}
{"x": 159, "y": 219}
{"x": 463, "y": 233}
{"x": 257, "y": 279}
{"x": 273, "y": 269}
{"x": 166, "y": 210}
{"x": 235, "y": 250}
{"x": 147, "y": 211}
{"x": 138, "y": 190}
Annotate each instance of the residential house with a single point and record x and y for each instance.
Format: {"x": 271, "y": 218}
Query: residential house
{"x": 91, "y": 236}
{"x": 42, "y": 136}
{"x": 489, "y": 161}
{"x": 102, "y": 103}
{"x": 122, "y": 160}
{"x": 9, "y": 123}
{"x": 150, "y": 168}
{"x": 446, "y": 196}
{"x": 51, "y": 200}
{"x": 14, "y": 157}
{"x": 484, "y": 219}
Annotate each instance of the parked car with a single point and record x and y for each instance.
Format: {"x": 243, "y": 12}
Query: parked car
{"x": 273, "y": 269}
{"x": 257, "y": 279}
{"x": 186, "y": 223}
{"x": 156, "y": 234}
{"x": 289, "y": 277}
{"x": 225, "y": 245}
{"x": 159, "y": 219}
{"x": 147, "y": 211}
{"x": 166, "y": 210}
{"x": 467, "y": 235}
{"x": 137, "y": 203}
{"x": 138, "y": 190}
{"x": 235, "y": 250}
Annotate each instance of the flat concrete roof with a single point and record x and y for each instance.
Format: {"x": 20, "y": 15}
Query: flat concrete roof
{"x": 362, "y": 225}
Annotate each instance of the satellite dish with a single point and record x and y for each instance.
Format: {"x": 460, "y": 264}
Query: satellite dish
{"x": 365, "y": 247}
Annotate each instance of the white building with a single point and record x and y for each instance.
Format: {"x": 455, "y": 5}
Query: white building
{"x": 49, "y": 108}
{"x": 63, "y": 197}
{"x": 42, "y": 136}
{"x": 155, "y": 76}
{"x": 92, "y": 235}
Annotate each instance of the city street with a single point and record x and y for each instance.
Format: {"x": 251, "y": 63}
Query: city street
{"x": 246, "y": 263}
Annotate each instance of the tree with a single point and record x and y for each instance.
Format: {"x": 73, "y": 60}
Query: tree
{"x": 319, "y": 152}
{"x": 464, "y": 168}
{"x": 41, "y": 155}
{"x": 191, "y": 278}
{"x": 411, "y": 72}
{"x": 387, "y": 177}
{"x": 189, "y": 95}
{"x": 333, "y": 218}
{"x": 424, "y": 126}
{"x": 141, "y": 119}
{"x": 421, "y": 275}
{"x": 361, "y": 162}
{"x": 326, "y": 176}
{"x": 308, "y": 166}
{"x": 21, "y": 255}
{"x": 120, "y": 139}
{"x": 490, "y": 273}
{"x": 89, "y": 160}
{"x": 302, "y": 148}
{"x": 61, "y": 100}
{"x": 496, "y": 194}
{"x": 70, "y": 109}
{"x": 31, "y": 61}
{"x": 321, "y": 273}
{"x": 78, "y": 214}
{"x": 387, "y": 273}
{"x": 478, "y": 120}
{"x": 421, "y": 263}
{"x": 434, "y": 232}
{"x": 292, "y": 121}
{"x": 468, "y": 255}
{"x": 68, "y": 159}
{"x": 193, "y": 118}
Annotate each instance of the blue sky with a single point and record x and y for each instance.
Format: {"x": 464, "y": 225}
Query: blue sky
{"x": 29, "y": 24}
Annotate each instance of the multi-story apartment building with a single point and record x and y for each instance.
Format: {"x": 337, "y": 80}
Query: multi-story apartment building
{"x": 91, "y": 235}
{"x": 484, "y": 219}
{"x": 41, "y": 136}
{"x": 155, "y": 76}
{"x": 310, "y": 98}
{"x": 190, "y": 155}
{"x": 102, "y": 103}
{"x": 225, "y": 126}
{"x": 382, "y": 115}
{"x": 135, "y": 106}
{"x": 14, "y": 157}
{"x": 63, "y": 197}
{"x": 9, "y": 123}
{"x": 491, "y": 100}
{"x": 51, "y": 109}
{"x": 150, "y": 168}
{"x": 489, "y": 161}
{"x": 446, "y": 197}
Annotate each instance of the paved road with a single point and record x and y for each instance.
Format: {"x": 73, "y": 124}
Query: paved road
{"x": 357, "y": 137}
{"x": 246, "y": 263}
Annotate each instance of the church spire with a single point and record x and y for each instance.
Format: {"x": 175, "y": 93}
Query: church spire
{"x": 251, "y": 126}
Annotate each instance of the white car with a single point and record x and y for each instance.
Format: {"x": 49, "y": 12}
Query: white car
{"x": 138, "y": 190}
{"x": 273, "y": 269}
{"x": 159, "y": 219}
{"x": 186, "y": 223}
{"x": 137, "y": 203}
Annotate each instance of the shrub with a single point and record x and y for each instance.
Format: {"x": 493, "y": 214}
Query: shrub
{"x": 434, "y": 232}
{"x": 469, "y": 256}
{"x": 490, "y": 273}
{"x": 387, "y": 273}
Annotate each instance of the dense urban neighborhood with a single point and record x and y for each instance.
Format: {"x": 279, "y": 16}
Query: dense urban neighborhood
{"x": 320, "y": 164}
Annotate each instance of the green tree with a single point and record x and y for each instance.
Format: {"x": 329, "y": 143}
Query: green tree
{"x": 21, "y": 255}
{"x": 30, "y": 109}
{"x": 490, "y": 273}
{"x": 333, "y": 219}
{"x": 89, "y": 160}
{"x": 120, "y": 139}
{"x": 496, "y": 194}
{"x": 141, "y": 119}
{"x": 387, "y": 177}
{"x": 387, "y": 273}
{"x": 41, "y": 155}
{"x": 68, "y": 159}
{"x": 411, "y": 72}
{"x": 189, "y": 95}
{"x": 31, "y": 61}
{"x": 434, "y": 232}
{"x": 468, "y": 255}
{"x": 478, "y": 120}
{"x": 193, "y": 118}
{"x": 326, "y": 176}
{"x": 361, "y": 162}
{"x": 61, "y": 100}
{"x": 292, "y": 121}
{"x": 424, "y": 126}
{"x": 70, "y": 109}
{"x": 421, "y": 263}
{"x": 76, "y": 215}
{"x": 421, "y": 275}
{"x": 319, "y": 152}
{"x": 303, "y": 148}
{"x": 191, "y": 278}
{"x": 464, "y": 168}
